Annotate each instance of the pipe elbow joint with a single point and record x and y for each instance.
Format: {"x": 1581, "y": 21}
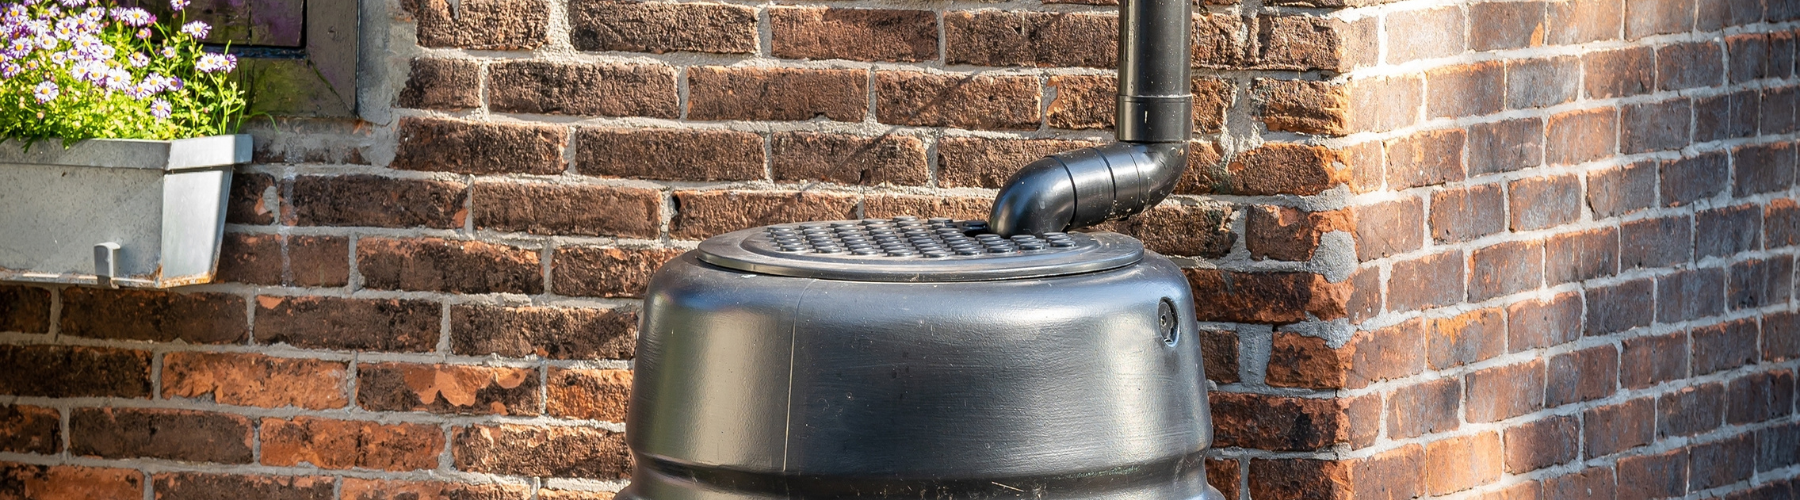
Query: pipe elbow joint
{"x": 1088, "y": 186}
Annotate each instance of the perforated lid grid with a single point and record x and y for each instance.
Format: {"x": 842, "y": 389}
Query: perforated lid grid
{"x": 911, "y": 249}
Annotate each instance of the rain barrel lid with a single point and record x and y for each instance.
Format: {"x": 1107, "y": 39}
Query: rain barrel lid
{"x": 909, "y": 249}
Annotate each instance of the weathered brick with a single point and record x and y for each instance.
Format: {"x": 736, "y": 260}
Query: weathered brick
{"x": 481, "y": 24}
{"x": 1276, "y": 168}
{"x": 243, "y": 258}
{"x": 1084, "y": 101}
{"x": 72, "y": 372}
{"x": 1365, "y": 294}
{"x": 1777, "y": 446}
{"x": 1463, "y": 462}
{"x": 1467, "y": 213}
{"x": 1727, "y": 231}
{"x": 1593, "y": 483}
{"x": 1429, "y": 281}
{"x": 247, "y": 379}
{"x": 549, "y": 332}
{"x": 1689, "y": 65}
{"x": 585, "y": 210}
{"x": 1381, "y": 104}
{"x": 1648, "y": 243}
{"x": 1719, "y": 14}
{"x": 1762, "y": 168}
{"x": 988, "y": 162}
{"x": 1618, "y": 427}
{"x": 207, "y": 486}
{"x": 1369, "y": 356}
{"x": 370, "y": 200}
{"x": 1647, "y": 361}
{"x": 1197, "y": 230}
{"x": 583, "y": 89}
{"x": 574, "y": 495}
{"x": 1749, "y": 54}
{"x": 1277, "y": 423}
{"x": 1393, "y": 474}
{"x": 1224, "y": 475}
{"x": 1688, "y": 180}
{"x": 24, "y": 309}
{"x": 1757, "y": 283}
{"x": 1424, "y": 408}
{"x": 184, "y": 435}
{"x": 1760, "y": 397}
{"x": 443, "y": 265}
{"x": 1619, "y": 73}
{"x": 579, "y": 452}
{"x": 1619, "y": 307}
{"x": 1425, "y": 159}
{"x": 465, "y": 147}
{"x": 1658, "y": 126}
{"x": 1690, "y": 294}
{"x": 348, "y": 324}
{"x": 1781, "y": 223}
{"x": 1505, "y": 268}
{"x": 1301, "y": 106}
{"x": 1299, "y": 42}
{"x": 960, "y": 208}
{"x": 1662, "y": 475}
{"x": 658, "y": 27}
{"x": 1298, "y": 478}
{"x": 1725, "y": 346}
{"x": 1529, "y": 490}
{"x": 1721, "y": 462}
{"x": 30, "y": 429}
{"x": 1505, "y": 146}
{"x": 1580, "y": 136}
{"x": 1506, "y": 25}
{"x": 1583, "y": 375}
{"x": 607, "y": 272}
{"x": 1026, "y": 38}
{"x": 1466, "y": 338}
{"x": 1503, "y": 392}
{"x": 855, "y": 34}
{"x": 1265, "y": 297}
{"x": 1781, "y": 52}
{"x": 1424, "y": 34}
{"x": 588, "y": 394}
{"x": 703, "y": 214}
{"x": 1657, "y": 17}
{"x": 1219, "y": 355}
{"x": 1285, "y": 233}
{"x": 1777, "y": 110}
{"x": 1531, "y": 324}
{"x": 370, "y": 489}
{"x": 450, "y": 389}
{"x": 68, "y": 482}
{"x": 441, "y": 84}
{"x": 1543, "y": 443}
{"x": 670, "y": 154}
{"x": 848, "y": 159}
{"x": 1538, "y": 83}
{"x": 155, "y": 316}
{"x": 1212, "y": 99}
{"x": 1622, "y": 190}
{"x": 784, "y": 94}
{"x": 1218, "y": 41}
{"x": 959, "y": 101}
{"x": 1727, "y": 116}
{"x": 1367, "y": 167}
{"x": 1364, "y": 414}
{"x": 1781, "y": 337}
{"x": 344, "y": 444}
{"x": 1541, "y": 202}
{"x": 1690, "y": 410}
{"x": 1473, "y": 89}
{"x": 1581, "y": 256}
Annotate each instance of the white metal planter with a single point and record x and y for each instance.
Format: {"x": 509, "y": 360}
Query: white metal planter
{"x": 116, "y": 212}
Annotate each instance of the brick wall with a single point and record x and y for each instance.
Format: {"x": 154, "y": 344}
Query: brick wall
{"x": 1521, "y": 247}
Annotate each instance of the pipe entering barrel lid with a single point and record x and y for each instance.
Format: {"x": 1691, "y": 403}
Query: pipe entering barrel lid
{"x": 1088, "y": 186}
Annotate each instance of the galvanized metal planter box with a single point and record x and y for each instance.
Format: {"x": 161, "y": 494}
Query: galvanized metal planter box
{"x": 115, "y": 212}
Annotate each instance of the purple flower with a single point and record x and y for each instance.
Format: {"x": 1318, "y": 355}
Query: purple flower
{"x": 135, "y": 17}
{"x": 161, "y": 109}
{"x": 196, "y": 29}
{"x": 138, "y": 60}
{"x": 74, "y": 3}
{"x": 9, "y": 69}
{"x": 214, "y": 63}
{"x": 118, "y": 79}
{"x": 173, "y": 84}
{"x": 45, "y": 92}
{"x": 168, "y": 52}
{"x": 143, "y": 33}
{"x": 178, "y": 4}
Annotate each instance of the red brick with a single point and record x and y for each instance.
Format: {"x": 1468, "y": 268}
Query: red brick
{"x": 1300, "y": 42}
{"x": 344, "y": 444}
{"x": 1647, "y": 361}
{"x": 1582, "y": 21}
{"x": 1594, "y": 483}
{"x": 1649, "y": 243}
{"x": 1727, "y": 231}
{"x": 1619, "y": 307}
{"x": 369, "y": 200}
{"x": 782, "y": 94}
{"x": 321, "y": 261}
{"x": 1467, "y": 213}
{"x": 1781, "y": 223}
{"x": 1218, "y": 41}
{"x": 1393, "y": 475}
{"x": 588, "y": 394}
{"x": 443, "y": 265}
{"x": 1465, "y": 90}
{"x": 369, "y": 489}
{"x": 669, "y": 154}
{"x": 657, "y": 27}
{"x": 1727, "y": 116}
{"x": 243, "y": 258}
{"x": 1619, "y": 73}
{"x": 1615, "y": 428}
{"x": 1284, "y": 233}
{"x": 1542, "y": 323}
{"x": 1224, "y": 475}
{"x": 548, "y": 332}
{"x": 156, "y": 316}
{"x": 1690, "y": 294}
{"x": 959, "y": 101}
{"x": 1308, "y": 362}
{"x": 465, "y": 147}
{"x": 1505, "y": 269}
{"x": 1689, "y": 65}
{"x": 1758, "y": 283}
{"x": 1424, "y": 408}
{"x": 1278, "y": 168}
{"x": 441, "y": 84}
{"x": 1657, "y": 17}
{"x": 1389, "y": 228}
{"x": 1213, "y": 97}
{"x": 1277, "y": 423}
{"x": 205, "y": 486}
{"x": 1760, "y": 397}
{"x": 449, "y": 389}
{"x": 1503, "y": 392}
{"x": 184, "y": 435}
{"x": 1654, "y": 476}
{"x": 246, "y": 379}
{"x": 1298, "y": 478}
{"x": 1368, "y": 171}
{"x": 1540, "y": 83}
{"x": 1219, "y": 355}
{"x": 848, "y": 159}
{"x": 1272, "y": 297}
{"x": 1199, "y": 230}
{"x": 1721, "y": 462}
{"x": 1690, "y": 410}
{"x": 1529, "y": 490}
{"x": 1305, "y": 107}
{"x": 1085, "y": 101}
{"x": 1381, "y": 104}
{"x": 925, "y": 207}
{"x": 1365, "y": 294}
{"x": 577, "y": 452}
{"x": 1724, "y": 346}
{"x": 1542, "y": 202}
{"x": 1749, "y": 54}
{"x": 1501, "y": 26}
{"x": 348, "y": 324}
{"x": 1425, "y": 282}
{"x": 1580, "y": 136}
{"x": 24, "y": 309}
{"x": 480, "y": 24}
{"x": 607, "y": 272}
{"x": 1365, "y": 420}
{"x": 1762, "y": 168}
{"x": 583, "y": 89}
{"x": 1461, "y": 463}
{"x": 1583, "y": 375}
{"x": 703, "y": 214}
{"x": 1506, "y": 146}
{"x": 1025, "y": 38}
{"x": 1425, "y": 34}
{"x": 1543, "y": 443}
{"x": 30, "y": 429}
{"x": 1622, "y": 190}
{"x": 1467, "y": 338}
{"x": 574, "y": 495}
{"x": 567, "y": 209}
{"x": 1425, "y": 159}
{"x": 855, "y": 34}
{"x": 68, "y": 482}
{"x": 1581, "y": 256}
{"x": 988, "y": 162}
{"x": 1658, "y": 126}
{"x": 73, "y": 372}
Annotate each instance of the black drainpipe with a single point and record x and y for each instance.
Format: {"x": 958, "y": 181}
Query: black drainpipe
{"x": 1088, "y": 186}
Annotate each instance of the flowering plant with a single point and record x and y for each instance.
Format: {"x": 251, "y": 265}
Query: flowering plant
{"x": 80, "y": 69}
